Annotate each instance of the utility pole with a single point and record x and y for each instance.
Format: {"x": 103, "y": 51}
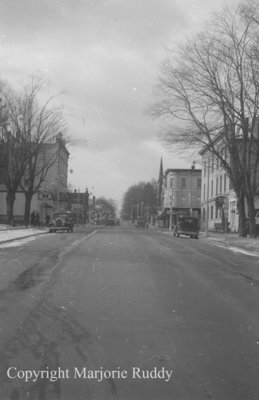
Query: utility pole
{"x": 132, "y": 211}
{"x": 207, "y": 200}
{"x": 171, "y": 213}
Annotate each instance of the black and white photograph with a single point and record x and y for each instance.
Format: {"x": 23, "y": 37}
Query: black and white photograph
{"x": 129, "y": 200}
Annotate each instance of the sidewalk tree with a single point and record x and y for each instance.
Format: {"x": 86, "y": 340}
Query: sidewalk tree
{"x": 34, "y": 123}
{"x": 139, "y": 198}
{"x": 14, "y": 152}
{"x": 42, "y": 123}
{"x": 208, "y": 94}
{"x": 107, "y": 207}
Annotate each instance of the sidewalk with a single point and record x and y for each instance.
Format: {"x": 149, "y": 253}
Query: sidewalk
{"x": 233, "y": 240}
{"x": 8, "y": 233}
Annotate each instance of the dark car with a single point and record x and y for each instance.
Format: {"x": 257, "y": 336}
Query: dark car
{"x": 62, "y": 221}
{"x": 189, "y": 226}
{"x": 110, "y": 221}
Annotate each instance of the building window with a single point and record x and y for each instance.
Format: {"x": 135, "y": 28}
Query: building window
{"x": 212, "y": 163}
{"x": 225, "y": 182}
{"x": 204, "y": 191}
{"x": 171, "y": 182}
{"x": 220, "y": 184}
{"x": 211, "y": 212}
{"x": 205, "y": 168}
{"x": 183, "y": 183}
{"x": 211, "y": 188}
{"x": 199, "y": 183}
{"x": 217, "y": 185}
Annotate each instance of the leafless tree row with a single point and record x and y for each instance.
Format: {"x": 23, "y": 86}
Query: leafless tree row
{"x": 208, "y": 97}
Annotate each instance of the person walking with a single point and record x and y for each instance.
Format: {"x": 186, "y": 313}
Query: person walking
{"x": 37, "y": 219}
{"x": 47, "y": 219}
{"x": 33, "y": 218}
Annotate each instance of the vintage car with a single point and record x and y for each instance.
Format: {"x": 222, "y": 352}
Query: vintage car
{"x": 62, "y": 221}
{"x": 110, "y": 221}
{"x": 188, "y": 226}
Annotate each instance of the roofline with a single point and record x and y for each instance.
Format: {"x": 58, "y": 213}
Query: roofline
{"x": 181, "y": 170}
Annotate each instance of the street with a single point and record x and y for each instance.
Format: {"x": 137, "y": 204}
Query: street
{"x": 127, "y": 313}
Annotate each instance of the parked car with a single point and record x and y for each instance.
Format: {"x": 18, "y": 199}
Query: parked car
{"x": 62, "y": 221}
{"x": 110, "y": 221}
{"x": 189, "y": 226}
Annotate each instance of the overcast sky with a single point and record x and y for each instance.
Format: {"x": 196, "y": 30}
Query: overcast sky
{"x": 105, "y": 56}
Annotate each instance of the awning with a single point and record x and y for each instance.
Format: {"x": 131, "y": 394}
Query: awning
{"x": 161, "y": 215}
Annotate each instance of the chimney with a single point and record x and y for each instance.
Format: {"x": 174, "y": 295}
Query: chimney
{"x": 193, "y": 165}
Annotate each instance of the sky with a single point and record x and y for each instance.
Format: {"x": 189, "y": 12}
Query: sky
{"x": 103, "y": 58}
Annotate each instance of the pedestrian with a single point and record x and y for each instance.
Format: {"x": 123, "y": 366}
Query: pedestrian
{"x": 47, "y": 219}
{"x": 37, "y": 219}
{"x": 33, "y": 218}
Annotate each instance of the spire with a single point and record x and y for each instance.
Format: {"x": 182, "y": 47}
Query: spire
{"x": 160, "y": 182}
{"x": 161, "y": 171}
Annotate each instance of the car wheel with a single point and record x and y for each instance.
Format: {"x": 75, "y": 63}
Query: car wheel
{"x": 178, "y": 234}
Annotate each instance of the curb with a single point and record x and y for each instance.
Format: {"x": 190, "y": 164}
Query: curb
{"x": 22, "y": 237}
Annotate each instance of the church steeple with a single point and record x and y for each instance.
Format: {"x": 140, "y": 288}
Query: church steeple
{"x": 160, "y": 182}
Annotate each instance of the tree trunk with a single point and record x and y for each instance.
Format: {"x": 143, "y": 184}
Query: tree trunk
{"x": 27, "y": 208}
{"x": 251, "y": 213}
{"x": 242, "y": 227}
{"x": 10, "y": 199}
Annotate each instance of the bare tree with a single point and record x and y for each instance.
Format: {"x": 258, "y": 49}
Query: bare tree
{"x": 14, "y": 153}
{"x": 42, "y": 122}
{"x": 210, "y": 85}
{"x": 139, "y": 199}
{"x": 34, "y": 124}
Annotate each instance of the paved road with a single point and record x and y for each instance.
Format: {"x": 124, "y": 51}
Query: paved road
{"x": 127, "y": 314}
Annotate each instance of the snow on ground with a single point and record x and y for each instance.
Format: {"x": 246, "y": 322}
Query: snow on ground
{"x": 10, "y": 233}
{"x": 3, "y": 227}
{"x": 18, "y": 242}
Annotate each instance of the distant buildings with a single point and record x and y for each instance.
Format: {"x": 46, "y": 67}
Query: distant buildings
{"x": 180, "y": 194}
{"x": 218, "y": 199}
{"x": 48, "y": 198}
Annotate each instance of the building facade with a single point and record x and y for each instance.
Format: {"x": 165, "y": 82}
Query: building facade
{"x": 181, "y": 194}
{"x": 218, "y": 199}
{"x": 48, "y": 198}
